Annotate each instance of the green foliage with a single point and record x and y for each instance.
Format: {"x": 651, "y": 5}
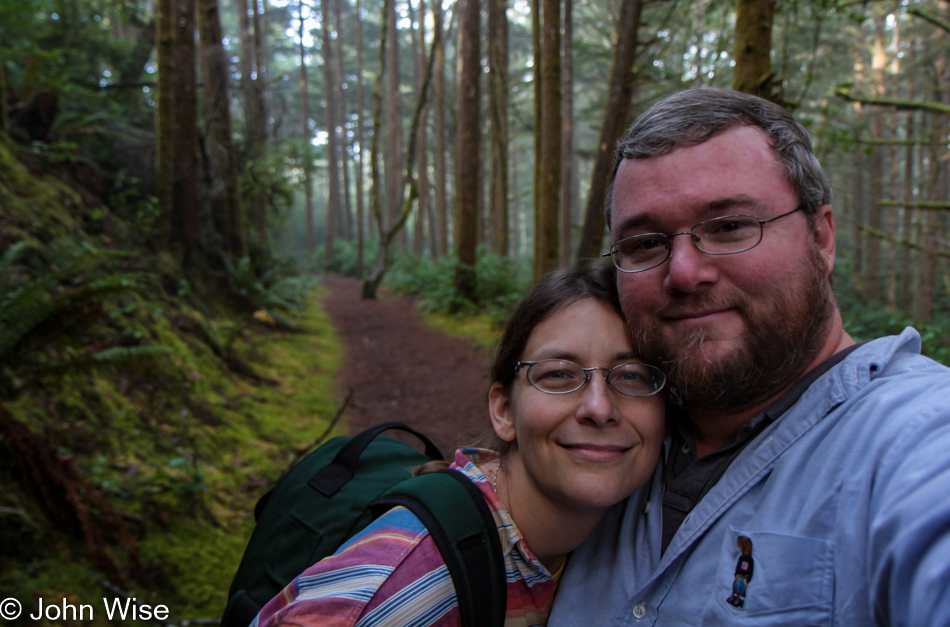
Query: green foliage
{"x": 344, "y": 260}
{"x": 501, "y": 282}
{"x": 867, "y": 321}
{"x": 278, "y": 289}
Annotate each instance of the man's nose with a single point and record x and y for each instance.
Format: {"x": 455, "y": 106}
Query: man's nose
{"x": 688, "y": 267}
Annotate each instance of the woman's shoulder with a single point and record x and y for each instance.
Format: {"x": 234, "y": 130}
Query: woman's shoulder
{"x": 388, "y": 572}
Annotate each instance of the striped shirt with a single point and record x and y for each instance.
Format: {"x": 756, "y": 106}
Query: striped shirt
{"x": 391, "y": 574}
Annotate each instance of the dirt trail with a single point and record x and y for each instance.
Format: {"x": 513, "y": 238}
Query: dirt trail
{"x": 401, "y": 369}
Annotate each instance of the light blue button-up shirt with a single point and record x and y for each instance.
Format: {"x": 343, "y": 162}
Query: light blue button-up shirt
{"x": 845, "y": 498}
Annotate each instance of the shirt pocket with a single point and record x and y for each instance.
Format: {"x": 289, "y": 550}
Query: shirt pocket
{"x": 792, "y": 582}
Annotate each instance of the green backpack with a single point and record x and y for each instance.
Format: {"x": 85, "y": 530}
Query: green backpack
{"x": 342, "y": 486}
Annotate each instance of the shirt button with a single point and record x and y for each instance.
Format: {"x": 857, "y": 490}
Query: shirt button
{"x": 685, "y": 449}
{"x": 639, "y": 611}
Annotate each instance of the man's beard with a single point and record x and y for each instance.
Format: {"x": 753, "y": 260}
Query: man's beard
{"x": 784, "y": 332}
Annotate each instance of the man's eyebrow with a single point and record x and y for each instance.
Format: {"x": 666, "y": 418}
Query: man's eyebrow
{"x": 650, "y": 222}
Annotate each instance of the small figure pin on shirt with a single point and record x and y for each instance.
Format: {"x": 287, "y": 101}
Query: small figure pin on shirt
{"x": 744, "y": 567}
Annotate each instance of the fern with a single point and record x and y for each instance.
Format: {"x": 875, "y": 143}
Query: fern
{"x": 101, "y": 359}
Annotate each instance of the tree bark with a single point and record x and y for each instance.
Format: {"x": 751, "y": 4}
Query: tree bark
{"x": 419, "y": 45}
{"x": 306, "y": 155}
{"x": 394, "y": 157}
{"x": 186, "y": 130}
{"x": 567, "y": 137}
{"x": 498, "y": 123}
{"x": 752, "y": 73}
{"x": 547, "y": 249}
{"x": 616, "y": 118}
{"x": 467, "y": 159}
{"x": 441, "y": 200}
{"x": 360, "y": 200}
{"x": 165, "y": 122}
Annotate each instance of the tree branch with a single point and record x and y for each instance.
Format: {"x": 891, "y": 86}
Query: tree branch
{"x": 901, "y": 105}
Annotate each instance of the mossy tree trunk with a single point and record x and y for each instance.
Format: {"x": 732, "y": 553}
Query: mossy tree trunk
{"x": 306, "y": 156}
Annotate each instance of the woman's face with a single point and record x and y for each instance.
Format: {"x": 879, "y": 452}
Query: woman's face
{"x": 590, "y": 448}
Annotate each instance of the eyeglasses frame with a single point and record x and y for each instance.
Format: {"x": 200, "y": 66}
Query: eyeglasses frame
{"x": 694, "y": 239}
{"x": 587, "y": 376}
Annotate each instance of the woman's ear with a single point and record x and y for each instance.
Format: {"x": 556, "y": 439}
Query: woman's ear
{"x": 499, "y": 407}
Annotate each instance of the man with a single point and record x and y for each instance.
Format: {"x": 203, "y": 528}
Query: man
{"x": 830, "y": 459}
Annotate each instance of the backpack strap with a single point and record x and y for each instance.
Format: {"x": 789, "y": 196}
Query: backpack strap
{"x": 463, "y": 528}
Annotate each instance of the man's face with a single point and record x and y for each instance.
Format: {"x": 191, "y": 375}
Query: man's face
{"x": 733, "y": 329}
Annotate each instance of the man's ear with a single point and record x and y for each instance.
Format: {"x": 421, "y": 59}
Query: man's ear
{"x": 499, "y": 407}
{"x": 825, "y": 234}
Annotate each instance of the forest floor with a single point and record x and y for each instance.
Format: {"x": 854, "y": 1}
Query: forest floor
{"x": 401, "y": 369}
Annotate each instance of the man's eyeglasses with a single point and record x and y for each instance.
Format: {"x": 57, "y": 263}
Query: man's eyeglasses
{"x": 556, "y": 376}
{"x": 720, "y": 236}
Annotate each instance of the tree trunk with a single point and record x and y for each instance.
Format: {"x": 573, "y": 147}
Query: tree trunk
{"x": 498, "y": 105}
{"x": 467, "y": 159}
{"x": 567, "y": 137}
{"x": 360, "y": 200}
{"x": 255, "y": 124}
{"x": 333, "y": 151}
{"x": 306, "y": 156}
{"x": 419, "y": 62}
{"x": 547, "y": 248}
{"x": 752, "y": 73}
{"x": 536, "y": 53}
{"x": 226, "y": 194}
{"x": 372, "y": 282}
{"x": 186, "y": 129}
{"x": 441, "y": 201}
{"x": 616, "y": 117}
{"x": 907, "y": 274}
{"x": 165, "y": 123}
{"x": 394, "y": 157}
{"x": 346, "y": 209}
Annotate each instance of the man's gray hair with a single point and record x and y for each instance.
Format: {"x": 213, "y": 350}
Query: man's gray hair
{"x": 691, "y": 117}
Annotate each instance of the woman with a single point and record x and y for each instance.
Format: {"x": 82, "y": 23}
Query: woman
{"x": 579, "y": 426}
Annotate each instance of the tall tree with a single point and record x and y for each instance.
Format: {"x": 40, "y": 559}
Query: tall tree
{"x": 546, "y": 238}
{"x": 467, "y": 160}
{"x": 441, "y": 200}
{"x": 185, "y": 85}
{"x": 305, "y": 145}
{"x": 333, "y": 151}
{"x": 872, "y": 282}
{"x": 752, "y": 72}
{"x": 360, "y": 201}
{"x": 567, "y": 136}
{"x": 219, "y": 152}
{"x": 346, "y": 209}
{"x": 254, "y": 120}
{"x": 616, "y": 117}
{"x": 165, "y": 121}
{"x": 498, "y": 106}
{"x": 394, "y": 157}
{"x": 422, "y": 166}
{"x": 371, "y": 284}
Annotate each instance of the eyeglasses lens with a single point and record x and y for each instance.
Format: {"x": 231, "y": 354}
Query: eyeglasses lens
{"x": 636, "y": 379}
{"x": 555, "y": 376}
{"x": 729, "y": 234}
